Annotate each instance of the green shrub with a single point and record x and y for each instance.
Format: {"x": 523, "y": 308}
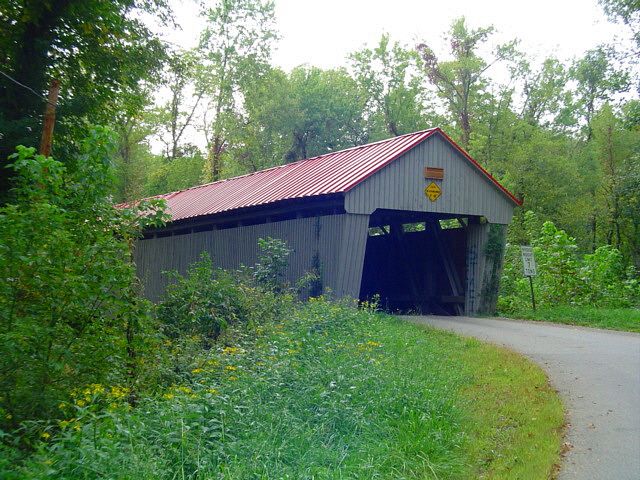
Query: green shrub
{"x": 611, "y": 284}
{"x": 269, "y": 272}
{"x": 565, "y": 277}
{"x": 558, "y": 278}
{"x": 200, "y": 306}
{"x": 69, "y": 310}
{"x": 203, "y": 303}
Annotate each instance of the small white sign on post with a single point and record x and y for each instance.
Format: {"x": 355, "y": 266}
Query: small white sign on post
{"x": 528, "y": 261}
{"x": 529, "y": 267}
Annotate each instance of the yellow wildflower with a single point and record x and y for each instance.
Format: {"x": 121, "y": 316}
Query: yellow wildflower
{"x": 168, "y": 396}
{"x": 81, "y": 403}
{"x": 76, "y": 427}
{"x": 232, "y": 378}
{"x": 212, "y": 391}
{"x": 231, "y": 368}
{"x": 197, "y": 370}
{"x": 231, "y": 350}
{"x": 118, "y": 392}
{"x": 45, "y": 435}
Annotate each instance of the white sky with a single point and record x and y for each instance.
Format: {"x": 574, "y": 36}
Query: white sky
{"x": 324, "y": 32}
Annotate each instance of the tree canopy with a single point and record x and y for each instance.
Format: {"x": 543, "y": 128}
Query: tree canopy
{"x": 99, "y": 50}
{"x": 224, "y": 109}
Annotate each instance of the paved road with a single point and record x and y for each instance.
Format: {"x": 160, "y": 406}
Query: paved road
{"x": 598, "y": 374}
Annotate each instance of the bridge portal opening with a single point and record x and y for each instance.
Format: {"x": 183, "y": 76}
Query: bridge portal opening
{"x": 415, "y": 262}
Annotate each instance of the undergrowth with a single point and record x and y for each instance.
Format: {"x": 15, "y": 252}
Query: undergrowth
{"x": 330, "y": 392}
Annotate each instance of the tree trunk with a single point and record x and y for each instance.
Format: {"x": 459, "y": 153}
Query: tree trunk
{"x": 22, "y": 109}
{"x": 49, "y": 119}
{"x": 215, "y": 157}
{"x": 466, "y": 129}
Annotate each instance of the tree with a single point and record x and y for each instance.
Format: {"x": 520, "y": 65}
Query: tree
{"x": 183, "y": 172}
{"x": 544, "y": 92}
{"x": 236, "y": 46}
{"x": 131, "y": 155}
{"x": 532, "y": 169}
{"x": 614, "y": 148}
{"x": 388, "y": 74}
{"x": 630, "y": 185}
{"x": 289, "y": 117}
{"x": 265, "y": 134}
{"x": 460, "y": 81}
{"x": 177, "y": 115}
{"x": 98, "y": 49}
{"x": 327, "y": 113}
{"x": 597, "y": 81}
{"x": 627, "y": 11}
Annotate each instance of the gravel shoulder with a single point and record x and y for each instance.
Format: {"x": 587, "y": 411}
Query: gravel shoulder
{"x": 597, "y": 372}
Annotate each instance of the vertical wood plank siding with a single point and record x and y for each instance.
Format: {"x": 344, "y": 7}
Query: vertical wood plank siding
{"x": 400, "y": 186}
{"x": 477, "y": 237}
{"x": 351, "y": 260}
{"x": 483, "y": 269}
{"x": 340, "y": 250}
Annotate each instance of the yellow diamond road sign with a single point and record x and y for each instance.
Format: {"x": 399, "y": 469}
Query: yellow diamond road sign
{"x": 433, "y": 192}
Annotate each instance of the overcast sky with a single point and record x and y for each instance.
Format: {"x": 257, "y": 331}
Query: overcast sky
{"x": 324, "y": 32}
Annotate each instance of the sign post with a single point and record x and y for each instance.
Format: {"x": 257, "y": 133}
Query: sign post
{"x": 529, "y": 267}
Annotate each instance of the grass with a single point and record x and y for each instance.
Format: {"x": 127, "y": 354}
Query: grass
{"x": 625, "y": 319}
{"x": 516, "y": 419}
{"x": 330, "y": 393}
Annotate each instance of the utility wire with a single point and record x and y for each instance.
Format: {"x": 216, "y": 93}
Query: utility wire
{"x": 28, "y": 88}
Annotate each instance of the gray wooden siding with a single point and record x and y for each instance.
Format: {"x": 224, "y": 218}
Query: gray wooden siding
{"x": 339, "y": 241}
{"x": 477, "y": 237}
{"x": 400, "y": 186}
{"x": 351, "y": 260}
{"x": 482, "y": 269}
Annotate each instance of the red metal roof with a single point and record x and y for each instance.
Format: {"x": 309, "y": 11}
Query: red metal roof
{"x": 331, "y": 173}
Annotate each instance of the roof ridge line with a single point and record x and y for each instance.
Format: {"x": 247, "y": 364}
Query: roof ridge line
{"x": 275, "y": 167}
{"x": 356, "y": 147}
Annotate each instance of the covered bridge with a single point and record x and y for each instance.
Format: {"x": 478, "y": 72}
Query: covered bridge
{"x": 413, "y": 218}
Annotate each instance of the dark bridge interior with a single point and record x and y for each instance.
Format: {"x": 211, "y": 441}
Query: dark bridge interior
{"x": 415, "y": 262}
